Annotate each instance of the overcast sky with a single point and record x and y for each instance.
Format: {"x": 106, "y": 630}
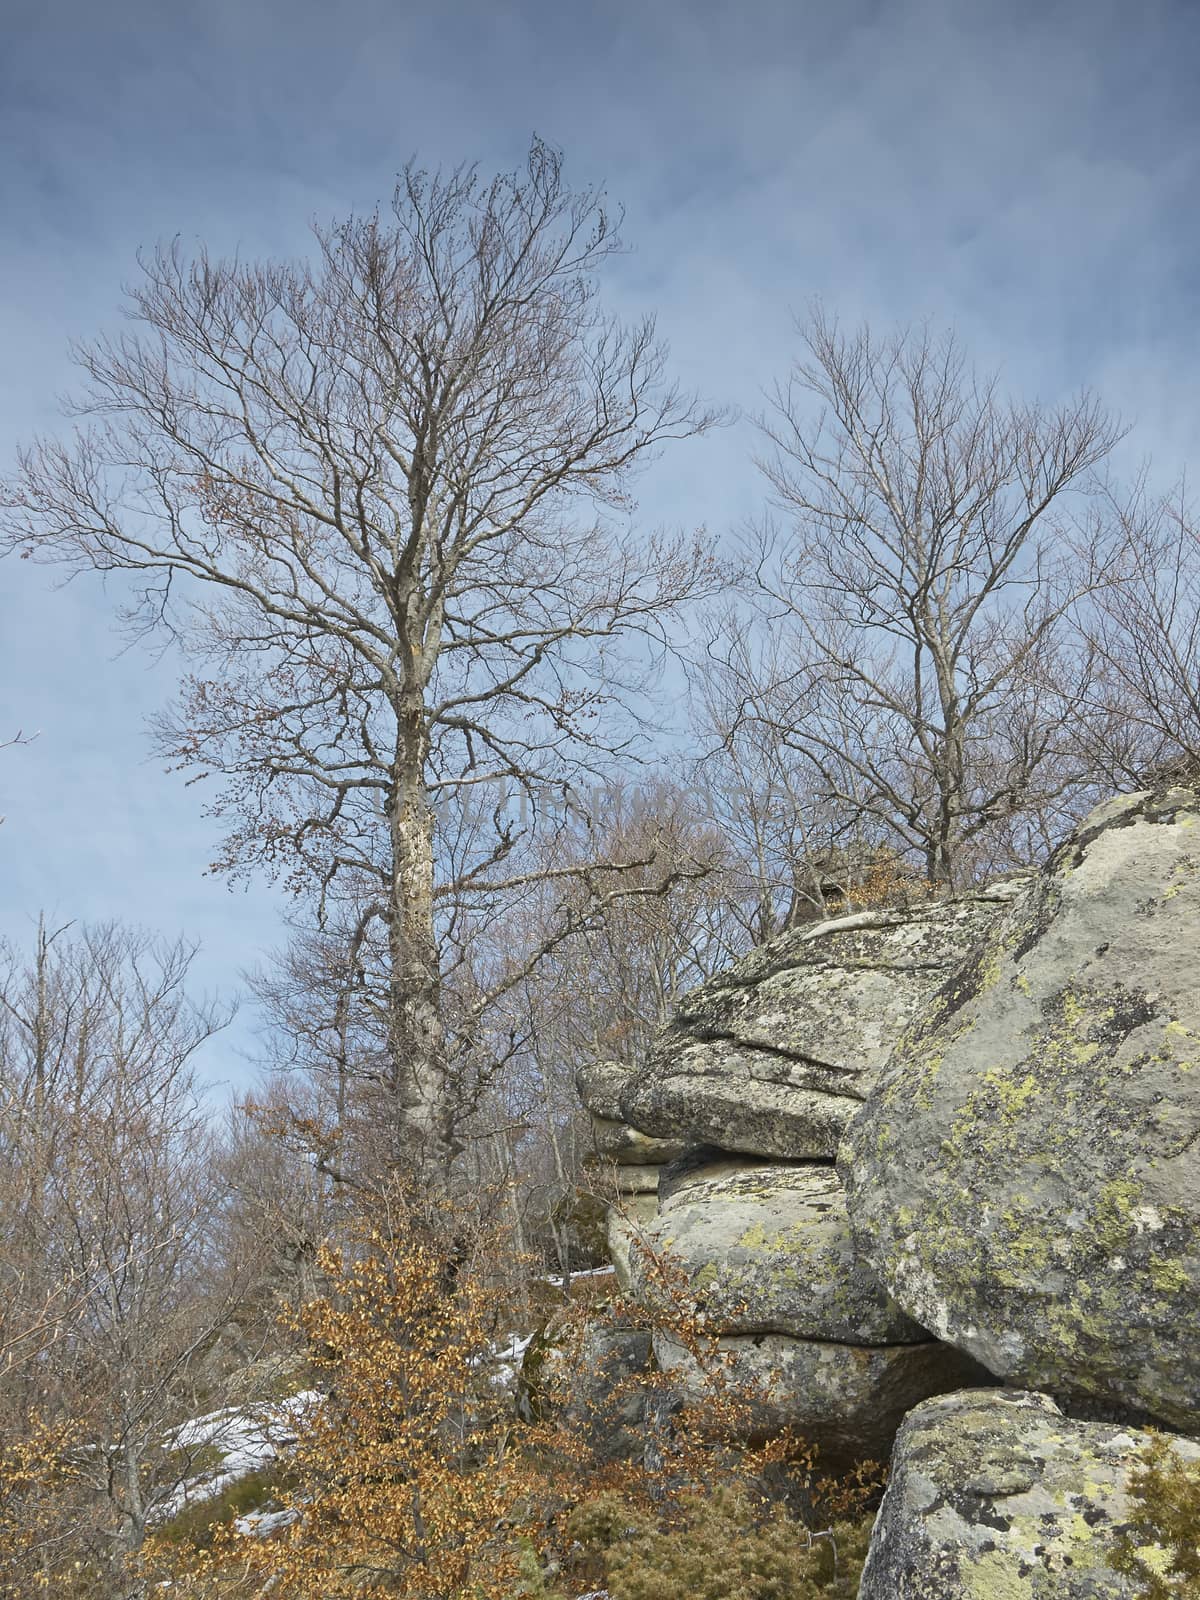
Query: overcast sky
{"x": 1025, "y": 171}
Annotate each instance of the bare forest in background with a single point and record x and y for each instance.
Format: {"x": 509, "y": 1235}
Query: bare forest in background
{"x": 382, "y": 504}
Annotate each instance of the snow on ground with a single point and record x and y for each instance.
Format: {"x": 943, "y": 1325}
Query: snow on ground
{"x": 592, "y": 1272}
{"x": 507, "y": 1359}
{"x": 247, "y": 1438}
{"x": 262, "y": 1523}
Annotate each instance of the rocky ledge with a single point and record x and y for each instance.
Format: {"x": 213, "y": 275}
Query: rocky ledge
{"x": 774, "y": 1056}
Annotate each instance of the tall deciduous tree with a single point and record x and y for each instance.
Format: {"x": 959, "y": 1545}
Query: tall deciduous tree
{"x": 923, "y": 574}
{"x": 384, "y": 499}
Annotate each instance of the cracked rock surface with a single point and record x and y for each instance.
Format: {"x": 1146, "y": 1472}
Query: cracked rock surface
{"x": 1025, "y": 1178}
{"x": 773, "y": 1056}
{"x": 768, "y": 1250}
{"x": 803, "y": 1322}
{"x": 995, "y": 1495}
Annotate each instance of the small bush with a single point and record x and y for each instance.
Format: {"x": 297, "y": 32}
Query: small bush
{"x": 724, "y": 1546}
{"x": 1161, "y": 1546}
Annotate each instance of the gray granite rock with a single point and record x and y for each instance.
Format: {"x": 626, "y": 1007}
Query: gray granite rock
{"x": 849, "y": 1399}
{"x": 774, "y": 1055}
{"x": 600, "y": 1085}
{"x": 1025, "y": 1178}
{"x": 995, "y": 1495}
{"x": 768, "y": 1249}
{"x": 626, "y": 1223}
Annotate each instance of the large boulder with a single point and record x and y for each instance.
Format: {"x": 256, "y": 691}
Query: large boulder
{"x": 1025, "y": 1179}
{"x": 803, "y": 1331}
{"x": 774, "y": 1055}
{"x": 768, "y": 1250}
{"x": 848, "y": 1398}
{"x": 995, "y": 1495}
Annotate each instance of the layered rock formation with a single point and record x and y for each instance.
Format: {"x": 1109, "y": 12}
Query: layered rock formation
{"x": 996, "y": 1493}
{"x": 775, "y": 1055}
{"x": 1025, "y": 1179}
{"x": 770, "y": 1060}
{"x": 1014, "y": 1080}
{"x": 627, "y": 1162}
{"x": 805, "y": 1329}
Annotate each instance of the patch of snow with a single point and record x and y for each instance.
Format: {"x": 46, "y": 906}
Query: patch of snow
{"x": 261, "y": 1523}
{"x": 248, "y": 1438}
{"x": 505, "y": 1360}
{"x": 592, "y": 1272}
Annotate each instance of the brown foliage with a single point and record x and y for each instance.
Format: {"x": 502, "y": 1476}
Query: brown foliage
{"x": 414, "y": 1477}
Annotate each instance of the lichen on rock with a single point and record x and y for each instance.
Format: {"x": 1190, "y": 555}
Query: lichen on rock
{"x": 773, "y": 1056}
{"x": 1025, "y": 1176}
{"x": 996, "y": 1495}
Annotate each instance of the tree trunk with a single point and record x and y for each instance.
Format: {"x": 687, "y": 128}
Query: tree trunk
{"x": 423, "y": 1130}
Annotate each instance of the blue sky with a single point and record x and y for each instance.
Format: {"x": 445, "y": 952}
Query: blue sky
{"x": 1026, "y": 171}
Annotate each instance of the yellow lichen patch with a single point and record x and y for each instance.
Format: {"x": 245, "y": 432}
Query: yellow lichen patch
{"x": 994, "y": 1577}
{"x": 1168, "y": 1277}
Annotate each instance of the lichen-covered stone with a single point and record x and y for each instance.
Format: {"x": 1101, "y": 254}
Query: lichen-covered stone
{"x": 774, "y": 1055}
{"x": 995, "y": 1495}
{"x": 628, "y": 1147}
{"x": 849, "y": 1399}
{"x": 600, "y": 1085}
{"x": 625, "y": 1223}
{"x": 1025, "y": 1178}
{"x": 768, "y": 1249}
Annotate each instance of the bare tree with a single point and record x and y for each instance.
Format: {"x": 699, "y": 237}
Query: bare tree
{"x": 794, "y": 850}
{"x": 618, "y": 949}
{"x": 922, "y": 579}
{"x": 1143, "y": 630}
{"x": 630, "y": 863}
{"x": 281, "y": 1208}
{"x": 384, "y": 500}
{"x": 106, "y": 1215}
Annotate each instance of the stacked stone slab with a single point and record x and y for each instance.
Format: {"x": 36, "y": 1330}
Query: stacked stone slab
{"x": 625, "y": 1162}
{"x": 758, "y": 1075}
{"x": 776, "y": 1054}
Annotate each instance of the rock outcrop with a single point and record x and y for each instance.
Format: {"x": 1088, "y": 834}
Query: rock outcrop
{"x": 775, "y": 1055}
{"x": 804, "y": 1327}
{"x": 768, "y": 1250}
{"x": 1025, "y": 1178}
{"x": 995, "y": 1495}
{"x": 625, "y": 1162}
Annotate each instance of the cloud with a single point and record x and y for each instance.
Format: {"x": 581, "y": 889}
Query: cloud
{"x": 1026, "y": 170}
